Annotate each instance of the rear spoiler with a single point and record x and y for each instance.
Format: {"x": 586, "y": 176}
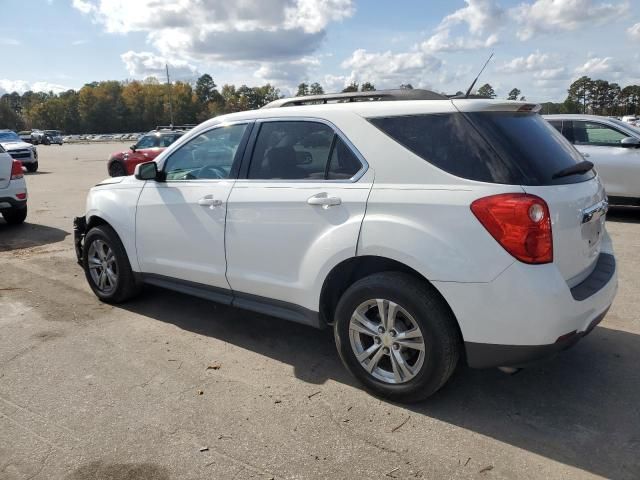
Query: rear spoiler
{"x": 486, "y": 105}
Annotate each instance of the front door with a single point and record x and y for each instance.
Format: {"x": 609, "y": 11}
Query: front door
{"x": 297, "y": 211}
{"x": 180, "y": 222}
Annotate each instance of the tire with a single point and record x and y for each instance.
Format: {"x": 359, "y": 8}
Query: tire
{"x": 15, "y": 216}
{"x": 418, "y": 305}
{"x": 116, "y": 169}
{"x": 46, "y": 141}
{"x": 103, "y": 238}
{"x": 31, "y": 167}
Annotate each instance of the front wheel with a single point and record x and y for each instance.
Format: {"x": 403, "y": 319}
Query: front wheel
{"x": 116, "y": 169}
{"x": 397, "y": 336}
{"x": 107, "y": 267}
{"x": 31, "y": 167}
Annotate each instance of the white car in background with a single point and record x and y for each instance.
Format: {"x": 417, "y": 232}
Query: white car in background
{"x": 612, "y": 145}
{"x": 13, "y": 190}
{"x": 424, "y": 230}
{"x": 19, "y": 149}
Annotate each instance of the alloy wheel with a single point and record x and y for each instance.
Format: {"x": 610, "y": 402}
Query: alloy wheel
{"x": 102, "y": 266}
{"x": 387, "y": 341}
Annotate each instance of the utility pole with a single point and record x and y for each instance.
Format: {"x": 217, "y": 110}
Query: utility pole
{"x": 170, "y": 99}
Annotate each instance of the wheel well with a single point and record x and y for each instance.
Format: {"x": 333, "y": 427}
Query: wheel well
{"x": 94, "y": 221}
{"x": 346, "y": 273}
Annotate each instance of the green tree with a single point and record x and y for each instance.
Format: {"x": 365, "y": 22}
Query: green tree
{"x": 352, "y": 87}
{"x": 514, "y": 94}
{"x": 316, "y": 89}
{"x": 406, "y": 86}
{"x": 367, "y": 87}
{"x": 206, "y": 89}
{"x": 579, "y": 93}
{"x": 487, "y": 91}
{"x": 303, "y": 90}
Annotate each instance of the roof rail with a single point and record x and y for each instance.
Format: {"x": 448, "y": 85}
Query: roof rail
{"x": 374, "y": 95}
{"x": 186, "y": 126}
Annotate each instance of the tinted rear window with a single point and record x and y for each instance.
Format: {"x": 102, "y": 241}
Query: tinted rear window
{"x": 496, "y": 147}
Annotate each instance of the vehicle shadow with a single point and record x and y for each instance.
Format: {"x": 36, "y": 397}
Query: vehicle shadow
{"x": 37, "y": 172}
{"x": 624, "y": 214}
{"x": 579, "y": 408}
{"x": 14, "y": 237}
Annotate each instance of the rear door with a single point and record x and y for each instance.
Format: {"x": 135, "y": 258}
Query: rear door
{"x": 297, "y": 210}
{"x": 600, "y": 143}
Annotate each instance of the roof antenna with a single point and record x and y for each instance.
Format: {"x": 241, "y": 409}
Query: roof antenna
{"x": 466, "y": 95}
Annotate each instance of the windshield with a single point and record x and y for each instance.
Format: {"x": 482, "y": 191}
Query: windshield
{"x": 9, "y": 137}
{"x": 51, "y": 132}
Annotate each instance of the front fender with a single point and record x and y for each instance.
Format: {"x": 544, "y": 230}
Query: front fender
{"x": 117, "y": 207}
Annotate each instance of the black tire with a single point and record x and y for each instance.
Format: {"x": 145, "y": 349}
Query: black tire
{"x": 116, "y": 169}
{"x": 46, "y": 141}
{"x": 31, "y": 167}
{"x": 126, "y": 286}
{"x": 438, "y": 326}
{"x": 15, "y": 216}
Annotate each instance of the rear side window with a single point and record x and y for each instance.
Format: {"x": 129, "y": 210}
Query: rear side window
{"x": 592, "y": 133}
{"x": 496, "y": 147}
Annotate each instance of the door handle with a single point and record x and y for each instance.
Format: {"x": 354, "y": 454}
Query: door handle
{"x": 209, "y": 201}
{"x": 324, "y": 200}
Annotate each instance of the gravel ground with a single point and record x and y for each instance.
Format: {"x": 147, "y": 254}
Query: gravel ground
{"x": 173, "y": 387}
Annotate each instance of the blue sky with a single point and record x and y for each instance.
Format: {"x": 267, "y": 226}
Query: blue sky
{"x": 540, "y": 45}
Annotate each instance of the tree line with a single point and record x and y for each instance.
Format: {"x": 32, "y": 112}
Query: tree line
{"x": 130, "y": 106}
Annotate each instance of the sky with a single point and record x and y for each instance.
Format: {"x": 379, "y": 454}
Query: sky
{"x": 540, "y": 46}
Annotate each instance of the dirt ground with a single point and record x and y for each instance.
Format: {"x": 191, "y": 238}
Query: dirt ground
{"x": 173, "y": 387}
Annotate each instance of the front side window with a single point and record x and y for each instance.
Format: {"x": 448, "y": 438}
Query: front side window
{"x": 591, "y": 133}
{"x": 147, "y": 141}
{"x": 209, "y": 155}
{"x": 292, "y": 151}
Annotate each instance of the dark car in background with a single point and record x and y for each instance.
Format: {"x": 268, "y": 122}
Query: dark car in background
{"x": 148, "y": 147}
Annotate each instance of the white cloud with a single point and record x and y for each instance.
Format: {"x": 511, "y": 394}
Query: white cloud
{"x": 147, "y": 64}
{"x": 545, "y": 16}
{"x": 601, "y": 66}
{"x": 210, "y": 30}
{"x": 479, "y": 15}
{"x": 534, "y": 61}
{"x": 634, "y": 31}
{"x": 9, "y": 41}
{"x": 389, "y": 70}
{"x": 76, "y": 43}
{"x": 440, "y": 42}
{"x": 21, "y": 86}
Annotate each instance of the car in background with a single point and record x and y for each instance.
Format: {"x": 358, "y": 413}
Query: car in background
{"x": 632, "y": 119}
{"x": 147, "y": 147}
{"x": 52, "y": 136}
{"x": 613, "y": 146}
{"x": 13, "y": 189}
{"x": 19, "y": 149}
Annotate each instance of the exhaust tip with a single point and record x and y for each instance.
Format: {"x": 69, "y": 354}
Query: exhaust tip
{"x": 509, "y": 370}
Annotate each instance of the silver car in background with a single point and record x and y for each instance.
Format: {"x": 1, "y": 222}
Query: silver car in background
{"x": 613, "y": 146}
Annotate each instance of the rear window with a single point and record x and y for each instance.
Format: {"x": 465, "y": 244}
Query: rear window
{"x": 496, "y": 147}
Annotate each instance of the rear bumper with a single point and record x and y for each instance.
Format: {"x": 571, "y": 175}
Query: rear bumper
{"x": 10, "y": 203}
{"x": 529, "y": 312}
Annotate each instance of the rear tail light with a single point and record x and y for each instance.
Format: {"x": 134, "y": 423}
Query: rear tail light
{"x": 16, "y": 170}
{"x": 520, "y": 223}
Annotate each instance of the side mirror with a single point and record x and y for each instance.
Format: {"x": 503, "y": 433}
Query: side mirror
{"x": 146, "y": 171}
{"x": 133, "y": 148}
{"x": 630, "y": 142}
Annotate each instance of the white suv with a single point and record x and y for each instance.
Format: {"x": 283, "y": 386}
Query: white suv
{"x": 425, "y": 231}
{"x": 13, "y": 189}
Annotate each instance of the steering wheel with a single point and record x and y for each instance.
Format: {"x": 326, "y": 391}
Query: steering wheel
{"x": 211, "y": 171}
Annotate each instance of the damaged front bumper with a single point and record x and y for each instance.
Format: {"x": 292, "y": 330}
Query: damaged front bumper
{"x": 79, "y": 231}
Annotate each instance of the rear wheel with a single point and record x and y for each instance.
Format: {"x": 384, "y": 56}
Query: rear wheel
{"x": 116, "y": 169}
{"x": 107, "y": 267}
{"x": 15, "y": 216}
{"x": 397, "y": 336}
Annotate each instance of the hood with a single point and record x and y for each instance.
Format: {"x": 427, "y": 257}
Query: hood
{"x": 110, "y": 181}
{"x": 8, "y": 146}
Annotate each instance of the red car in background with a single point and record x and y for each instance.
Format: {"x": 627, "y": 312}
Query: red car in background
{"x": 148, "y": 147}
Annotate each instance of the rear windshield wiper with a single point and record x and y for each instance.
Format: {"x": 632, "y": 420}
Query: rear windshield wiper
{"x": 582, "y": 167}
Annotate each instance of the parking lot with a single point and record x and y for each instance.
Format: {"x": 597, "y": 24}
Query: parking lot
{"x": 174, "y": 387}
